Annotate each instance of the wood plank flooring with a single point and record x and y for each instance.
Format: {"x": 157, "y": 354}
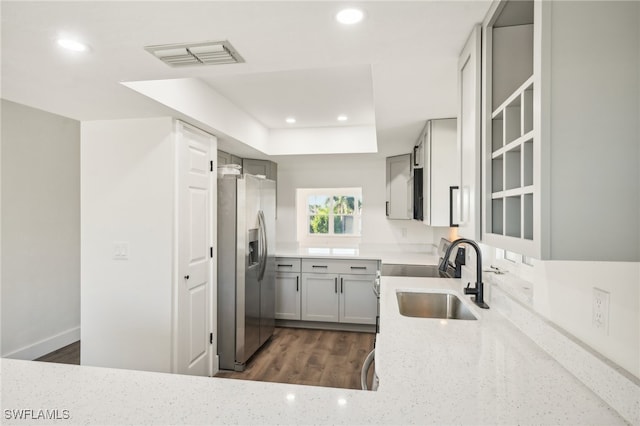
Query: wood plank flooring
{"x": 309, "y": 357}
{"x": 69, "y": 354}
{"x": 293, "y": 355}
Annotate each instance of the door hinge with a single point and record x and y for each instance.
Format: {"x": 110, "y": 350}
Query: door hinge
{"x": 211, "y": 165}
{"x": 211, "y": 338}
{"x": 211, "y": 252}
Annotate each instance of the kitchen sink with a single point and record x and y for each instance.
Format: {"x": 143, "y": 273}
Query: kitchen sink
{"x": 433, "y": 305}
{"x": 402, "y": 270}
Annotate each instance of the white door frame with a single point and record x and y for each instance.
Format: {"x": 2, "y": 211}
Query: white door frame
{"x": 213, "y": 363}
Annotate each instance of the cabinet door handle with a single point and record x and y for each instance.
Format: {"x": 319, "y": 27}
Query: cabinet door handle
{"x": 298, "y": 283}
{"x": 280, "y": 265}
{"x": 341, "y": 285}
{"x": 336, "y": 285}
{"x": 415, "y": 156}
{"x": 186, "y": 277}
{"x": 451, "y": 189}
{"x": 387, "y": 209}
{"x": 359, "y": 267}
{"x": 319, "y": 266}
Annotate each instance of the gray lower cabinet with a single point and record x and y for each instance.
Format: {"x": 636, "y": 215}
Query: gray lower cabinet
{"x": 326, "y": 290}
{"x": 288, "y": 295}
{"x": 288, "y": 286}
{"x": 358, "y": 304}
{"x": 339, "y": 298}
{"x": 320, "y": 297}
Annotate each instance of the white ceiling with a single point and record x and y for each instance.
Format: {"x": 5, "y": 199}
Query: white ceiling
{"x": 396, "y": 69}
{"x": 314, "y": 97}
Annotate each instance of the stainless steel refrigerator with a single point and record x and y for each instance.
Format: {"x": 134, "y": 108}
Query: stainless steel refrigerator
{"x": 246, "y": 267}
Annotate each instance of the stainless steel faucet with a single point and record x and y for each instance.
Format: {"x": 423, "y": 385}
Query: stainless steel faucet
{"x": 478, "y": 290}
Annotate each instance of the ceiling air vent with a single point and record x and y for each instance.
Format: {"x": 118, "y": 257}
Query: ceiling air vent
{"x": 205, "y": 53}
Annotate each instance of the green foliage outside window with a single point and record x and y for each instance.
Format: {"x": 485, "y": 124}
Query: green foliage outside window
{"x": 338, "y": 208}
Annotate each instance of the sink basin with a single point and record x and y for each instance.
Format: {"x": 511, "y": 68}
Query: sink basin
{"x": 401, "y": 270}
{"x": 433, "y": 305}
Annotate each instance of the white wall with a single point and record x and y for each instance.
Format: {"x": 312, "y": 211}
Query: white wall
{"x": 562, "y": 292}
{"x": 323, "y": 140}
{"x": 41, "y": 231}
{"x": 198, "y": 101}
{"x": 347, "y": 171}
{"x": 127, "y": 196}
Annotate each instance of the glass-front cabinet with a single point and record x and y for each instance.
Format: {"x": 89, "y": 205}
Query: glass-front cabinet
{"x": 510, "y": 136}
{"x": 559, "y": 129}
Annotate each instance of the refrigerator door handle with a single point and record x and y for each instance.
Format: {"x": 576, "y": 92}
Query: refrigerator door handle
{"x": 262, "y": 244}
{"x": 265, "y": 251}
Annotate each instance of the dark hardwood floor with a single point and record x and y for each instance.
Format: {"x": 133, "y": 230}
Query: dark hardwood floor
{"x": 69, "y": 354}
{"x": 309, "y": 357}
{"x": 293, "y": 355}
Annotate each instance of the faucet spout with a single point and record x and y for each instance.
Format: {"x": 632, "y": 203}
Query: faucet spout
{"x": 478, "y": 290}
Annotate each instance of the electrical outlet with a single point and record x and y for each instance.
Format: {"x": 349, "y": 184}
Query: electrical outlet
{"x": 600, "y": 310}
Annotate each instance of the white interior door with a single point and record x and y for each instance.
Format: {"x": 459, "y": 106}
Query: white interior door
{"x": 193, "y": 346}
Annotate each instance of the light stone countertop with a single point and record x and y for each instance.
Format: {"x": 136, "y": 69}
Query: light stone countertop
{"x": 384, "y": 255}
{"x": 431, "y": 372}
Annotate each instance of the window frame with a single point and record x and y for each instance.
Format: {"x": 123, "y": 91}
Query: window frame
{"x": 331, "y": 193}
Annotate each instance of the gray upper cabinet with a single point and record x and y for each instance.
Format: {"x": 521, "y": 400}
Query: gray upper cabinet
{"x": 399, "y": 187}
{"x": 223, "y": 158}
{"x": 260, "y": 167}
{"x": 440, "y": 172}
{"x": 559, "y": 129}
{"x": 226, "y": 158}
{"x": 468, "y": 137}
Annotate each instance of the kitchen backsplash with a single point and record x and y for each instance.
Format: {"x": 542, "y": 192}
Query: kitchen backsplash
{"x": 562, "y": 293}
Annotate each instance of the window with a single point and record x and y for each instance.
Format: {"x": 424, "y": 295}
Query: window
{"x": 332, "y": 212}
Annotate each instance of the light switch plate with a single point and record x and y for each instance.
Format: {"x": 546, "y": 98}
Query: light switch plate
{"x": 121, "y": 250}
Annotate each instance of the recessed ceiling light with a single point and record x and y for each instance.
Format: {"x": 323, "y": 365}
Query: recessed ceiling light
{"x": 73, "y": 45}
{"x": 290, "y": 120}
{"x": 342, "y": 117}
{"x": 349, "y": 16}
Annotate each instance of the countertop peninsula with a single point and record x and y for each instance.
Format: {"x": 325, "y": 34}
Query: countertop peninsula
{"x": 431, "y": 371}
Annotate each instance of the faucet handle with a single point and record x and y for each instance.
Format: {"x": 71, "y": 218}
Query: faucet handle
{"x": 468, "y": 290}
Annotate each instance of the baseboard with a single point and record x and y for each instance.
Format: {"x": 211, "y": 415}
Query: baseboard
{"x": 334, "y": 326}
{"x": 43, "y": 347}
{"x": 216, "y": 365}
